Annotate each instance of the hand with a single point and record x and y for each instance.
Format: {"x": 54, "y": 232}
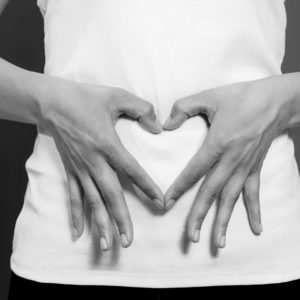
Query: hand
{"x": 81, "y": 118}
{"x": 245, "y": 117}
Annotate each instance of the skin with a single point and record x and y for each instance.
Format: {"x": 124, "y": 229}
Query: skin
{"x": 81, "y": 118}
{"x": 2, "y": 5}
{"x": 244, "y": 119}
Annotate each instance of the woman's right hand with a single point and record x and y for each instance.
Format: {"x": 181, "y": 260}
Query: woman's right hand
{"x": 81, "y": 118}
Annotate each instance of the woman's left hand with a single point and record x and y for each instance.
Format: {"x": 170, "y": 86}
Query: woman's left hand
{"x": 244, "y": 119}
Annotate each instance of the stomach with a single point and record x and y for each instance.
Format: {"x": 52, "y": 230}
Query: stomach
{"x": 196, "y": 49}
{"x": 42, "y": 236}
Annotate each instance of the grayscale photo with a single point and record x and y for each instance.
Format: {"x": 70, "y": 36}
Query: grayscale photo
{"x": 149, "y": 148}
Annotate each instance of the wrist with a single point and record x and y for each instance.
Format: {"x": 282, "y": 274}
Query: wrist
{"x": 47, "y": 97}
{"x": 31, "y": 88}
{"x": 290, "y": 85}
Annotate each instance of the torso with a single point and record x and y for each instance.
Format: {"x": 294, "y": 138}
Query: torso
{"x": 161, "y": 50}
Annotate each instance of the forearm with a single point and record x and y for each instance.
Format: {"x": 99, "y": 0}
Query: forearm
{"x": 291, "y": 85}
{"x": 2, "y": 5}
{"x": 21, "y": 93}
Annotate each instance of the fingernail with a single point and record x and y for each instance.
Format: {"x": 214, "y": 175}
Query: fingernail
{"x": 124, "y": 240}
{"x": 196, "y": 236}
{"x": 103, "y": 244}
{"x": 159, "y": 204}
{"x": 257, "y": 228}
{"x": 75, "y": 233}
{"x": 222, "y": 241}
{"x": 168, "y": 121}
{"x": 159, "y": 125}
{"x": 170, "y": 204}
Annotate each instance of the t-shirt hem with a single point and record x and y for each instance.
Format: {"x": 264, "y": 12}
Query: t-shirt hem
{"x": 117, "y": 278}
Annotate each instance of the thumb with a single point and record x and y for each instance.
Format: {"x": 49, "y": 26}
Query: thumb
{"x": 141, "y": 110}
{"x": 190, "y": 106}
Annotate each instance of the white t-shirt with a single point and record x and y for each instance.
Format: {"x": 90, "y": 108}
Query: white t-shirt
{"x": 161, "y": 50}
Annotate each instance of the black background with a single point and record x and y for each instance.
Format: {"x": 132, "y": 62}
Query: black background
{"x": 21, "y": 42}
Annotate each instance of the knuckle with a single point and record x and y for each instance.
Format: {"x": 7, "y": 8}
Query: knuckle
{"x": 107, "y": 147}
{"x": 93, "y": 201}
{"x": 229, "y": 200}
{"x": 105, "y": 142}
{"x": 113, "y": 199}
{"x": 109, "y": 204}
{"x": 179, "y": 105}
{"x": 214, "y": 142}
{"x": 207, "y": 93}
{"x": 109, "y": 197}
{"x": 110, "y": 97}
{"x": 211, "y": 191}
{"x": 227, "y": 142}
{"x": 228, "y": 205}
{"x": 119, "y": 94}
{"x": 148, "y": 108}
{"x": 131, "y": 172}
{"x": 102, "y": 225}
{"x": 221, "y": 143}
{"x": 229, "y": 197}
{"x": 114, "y": 99}
{"x": 190, "y": 179}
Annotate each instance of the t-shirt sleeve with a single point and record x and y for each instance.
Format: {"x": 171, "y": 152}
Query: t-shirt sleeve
{"x": 42, "y": 4}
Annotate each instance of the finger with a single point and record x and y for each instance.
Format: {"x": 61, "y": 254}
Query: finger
{"x": 112, "y": 194}
{"x": 75, "y": 191}
{"x": 198, "y": 165}
{"x": 252, "y": 200}
{"x": 228, "y": 198}
{"x": 209, "y": 190}
{"x": 139, "y": 109}
{"x": 251, "y": 191}
{"x": 189, "y": 106}
{"x": 76, "y": 202}
{"x": 123, "y": 160}
{"x": 99, "y": 212}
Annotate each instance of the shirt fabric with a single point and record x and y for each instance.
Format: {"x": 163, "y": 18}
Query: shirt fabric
{"x": 161, "y": 50}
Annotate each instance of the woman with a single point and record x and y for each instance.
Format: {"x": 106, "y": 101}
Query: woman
{"x": 104, "y": 166}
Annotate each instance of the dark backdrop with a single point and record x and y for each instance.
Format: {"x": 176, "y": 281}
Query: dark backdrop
{"x": 21, "y": 42}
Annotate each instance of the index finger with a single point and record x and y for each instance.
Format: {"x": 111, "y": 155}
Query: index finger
{"x": 198, "y": 165}
{"x": 121, "y": 159}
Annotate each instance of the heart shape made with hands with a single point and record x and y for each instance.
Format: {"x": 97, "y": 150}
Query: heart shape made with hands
{"x": 163, "y": 155}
